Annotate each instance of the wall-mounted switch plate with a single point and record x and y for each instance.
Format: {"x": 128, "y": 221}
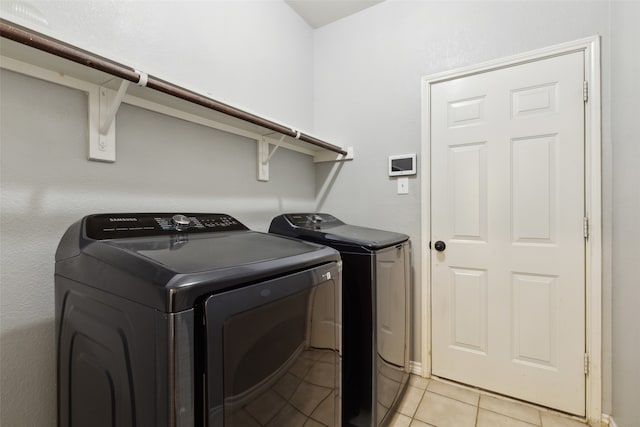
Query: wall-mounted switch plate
{"x": 403, "y": 185}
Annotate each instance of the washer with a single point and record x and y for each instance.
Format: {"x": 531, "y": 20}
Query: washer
{"x": 375, "y": 311}
{"x": 193, "y": 320}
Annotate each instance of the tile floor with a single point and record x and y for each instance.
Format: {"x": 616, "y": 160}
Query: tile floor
{"x": 305, "y": 395}
{"x": 432, "y": 402}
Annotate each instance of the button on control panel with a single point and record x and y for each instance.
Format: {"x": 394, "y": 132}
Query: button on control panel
{"x": 118, "y": 226}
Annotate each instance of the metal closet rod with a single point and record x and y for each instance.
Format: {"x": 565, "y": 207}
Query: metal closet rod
{"x": 55, "y": 47}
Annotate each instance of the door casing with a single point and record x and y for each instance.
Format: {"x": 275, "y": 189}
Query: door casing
{"x": 593, "y": 204}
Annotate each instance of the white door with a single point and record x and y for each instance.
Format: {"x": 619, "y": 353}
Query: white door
{"x": 507, "y": 173}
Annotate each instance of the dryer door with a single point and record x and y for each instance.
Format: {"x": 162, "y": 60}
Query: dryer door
{"x": 272, "y": 351}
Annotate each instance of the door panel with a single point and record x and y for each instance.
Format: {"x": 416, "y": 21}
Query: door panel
{"x": 534, "y": 320}
{"x": 469, "y": 309}
{"x": 533, "y": 200}
{"x": 507, "y": 178}
{"x": 467, "y": 175}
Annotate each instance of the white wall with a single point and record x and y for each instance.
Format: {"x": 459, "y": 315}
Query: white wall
{"x": 367, "y": 92}
{"x": 625, "y": 135}
{"x": 253, "y": 54}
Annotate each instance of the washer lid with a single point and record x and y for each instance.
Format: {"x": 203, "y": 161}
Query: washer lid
{"x": 362, "y": 236}
{"x": 194, "y": 253}
{"x": 328, "y": 230}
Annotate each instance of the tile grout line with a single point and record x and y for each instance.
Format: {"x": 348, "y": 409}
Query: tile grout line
{"x": 539, "y": 417}
{"x": 424, "y": 393}
{"x": 254, "y": 418}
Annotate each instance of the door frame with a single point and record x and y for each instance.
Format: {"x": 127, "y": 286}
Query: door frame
{"x": 593, "y": 204}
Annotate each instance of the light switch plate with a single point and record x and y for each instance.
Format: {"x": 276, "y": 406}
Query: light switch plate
{"x": 403, "y": 185}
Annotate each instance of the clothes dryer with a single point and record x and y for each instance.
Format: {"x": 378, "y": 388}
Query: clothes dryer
{"x": 375, "y": 300}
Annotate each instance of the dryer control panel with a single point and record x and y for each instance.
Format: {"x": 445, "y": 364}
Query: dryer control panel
{"x": 123, "y": 225}
{"x": 313, "y": 221}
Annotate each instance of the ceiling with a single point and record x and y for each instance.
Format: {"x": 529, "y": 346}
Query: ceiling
{"x": 322, "y": 12}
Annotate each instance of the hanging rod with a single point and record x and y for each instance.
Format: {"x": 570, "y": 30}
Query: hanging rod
{"x": 44, "y": 43}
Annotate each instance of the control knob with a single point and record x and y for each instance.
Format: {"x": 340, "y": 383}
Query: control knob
{"x": 180, "y": 222}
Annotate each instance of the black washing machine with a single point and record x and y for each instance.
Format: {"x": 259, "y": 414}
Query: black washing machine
{"x": 376, "y": 285}
{"x": 194, "y": 320}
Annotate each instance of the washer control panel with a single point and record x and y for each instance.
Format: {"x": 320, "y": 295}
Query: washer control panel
{"x": 123, "y": 225}
{"x": 313, "y": 220}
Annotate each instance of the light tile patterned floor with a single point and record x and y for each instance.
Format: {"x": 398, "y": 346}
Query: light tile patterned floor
{"x": 435, "y": 403}
{"x": 305, "y": 395}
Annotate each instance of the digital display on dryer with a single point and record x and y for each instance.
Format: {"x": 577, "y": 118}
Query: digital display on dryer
{"x": 118, "y": 226}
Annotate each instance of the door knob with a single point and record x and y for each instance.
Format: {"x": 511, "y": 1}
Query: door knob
{"x": 440, "y": 246}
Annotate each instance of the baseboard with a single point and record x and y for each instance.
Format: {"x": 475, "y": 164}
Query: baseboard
{"x": 607, "y": 421}
{"x": 415, "y": 368}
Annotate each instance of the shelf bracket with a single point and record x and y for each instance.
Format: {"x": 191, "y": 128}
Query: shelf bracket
{"x": 108, "y": 105}
{"x": 264, "y": 156}
{"x": 108, "y": 114}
